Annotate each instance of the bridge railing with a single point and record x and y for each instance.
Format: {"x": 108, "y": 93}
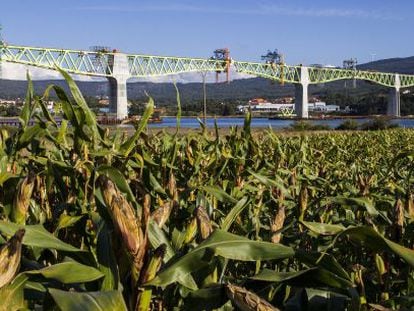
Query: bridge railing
{"x": 147, "y": 65}
{"x": 289, "y": 74}
{"x": 406, "y": 80}
{"x": 323, "y": 75}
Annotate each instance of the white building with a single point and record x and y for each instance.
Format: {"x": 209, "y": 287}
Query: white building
{"x": 270, "y": 107}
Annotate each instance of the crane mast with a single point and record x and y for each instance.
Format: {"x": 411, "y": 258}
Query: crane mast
{"x": 224, "y": 55}
{"x": 275, "y": 58}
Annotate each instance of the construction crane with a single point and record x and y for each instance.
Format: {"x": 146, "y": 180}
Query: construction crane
{"x": 273, "y": 59}
{"x": 350, "y": 64}
{"x": 97, "y": 61}
{"x": 224, "y": 55}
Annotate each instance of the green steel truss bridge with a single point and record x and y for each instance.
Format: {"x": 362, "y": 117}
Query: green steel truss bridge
{"x": 118, "y": 67}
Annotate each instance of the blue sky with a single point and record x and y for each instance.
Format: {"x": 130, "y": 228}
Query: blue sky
{"x": 317, "y": 31}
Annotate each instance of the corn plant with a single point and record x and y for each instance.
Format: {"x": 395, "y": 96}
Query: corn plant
{"x": 92, "y": 218}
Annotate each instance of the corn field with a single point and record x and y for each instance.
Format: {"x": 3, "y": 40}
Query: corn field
{"x": 98, "y": 220}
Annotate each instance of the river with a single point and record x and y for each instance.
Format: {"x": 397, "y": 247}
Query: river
{"x": 191, "y": 122}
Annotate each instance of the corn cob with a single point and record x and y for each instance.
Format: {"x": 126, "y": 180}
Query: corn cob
{"x": 144, "y": 299}
{"x": 246, "y": 300}
{"x": 191, "y": 231}
{"x": 303, "y": 201}
{"x": 126, "y": 224}
{"x": 162, "y": 213}
{"x": 22, "y": 199}
{"x": 10, "y": 254}
{"x": 172, "y": 187}
{"x": 279, "y": 219}
{"x": 203, "y": 222}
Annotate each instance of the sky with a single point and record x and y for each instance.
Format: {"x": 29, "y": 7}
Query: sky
{"x": 307, "y": 32}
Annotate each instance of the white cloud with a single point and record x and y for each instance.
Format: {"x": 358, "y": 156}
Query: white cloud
{"x": 10, "y": 71}
{"x": 18, "y": 72}
{"x": 192, "y": 77}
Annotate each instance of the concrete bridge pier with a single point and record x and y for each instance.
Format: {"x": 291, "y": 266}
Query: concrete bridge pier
{"x": 301, "y": 94}
{"x": 118, "y": 86}
{"x": 394, "y": 102}
{"x": 118, "y": 97}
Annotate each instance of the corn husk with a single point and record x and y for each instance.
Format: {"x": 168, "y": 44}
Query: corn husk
{"x": 162, "y": 213}
{"x": 399, "y": 213}
{"x": 191, "y": 231}
{"x": 172, "y": 187}
{"x": 126, "y": 224}
{"x": 10, "y": 254}
{"x": 277, "y": 224}
{"x": 203, "y": 222}
{"x": 246, "y": 300}
{"x": 144, "y": 298}
{"x": 279, "y": 218}
{"x": 22, "y": 199}
{"x": 303, "y": 201}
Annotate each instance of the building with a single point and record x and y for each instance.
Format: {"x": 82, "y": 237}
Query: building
{"x": 285, "y": 106}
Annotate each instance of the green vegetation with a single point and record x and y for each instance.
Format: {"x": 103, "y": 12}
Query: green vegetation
{"x": 379, "y": 123}
{"x": 308, "y": 126}
{"x": 348, "y": 125}
{"x": 97, "y": 221}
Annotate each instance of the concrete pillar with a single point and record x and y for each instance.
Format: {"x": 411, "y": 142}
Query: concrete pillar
{"x": 118, "y": 86}
{"x": 394, "y": 104}
{"x": 301, "y": 94}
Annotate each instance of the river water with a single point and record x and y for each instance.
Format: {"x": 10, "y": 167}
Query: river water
{"x": 191, "y": 122}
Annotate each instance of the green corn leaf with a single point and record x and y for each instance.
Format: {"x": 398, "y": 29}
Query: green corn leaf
{"x": 178, "y": 108}
{"x": 322, "y": 228}
{"x": 78, "y": 97}
{"x": 69, "y": 272}
{"x": 107, "y": 261}
{"x": 91, "y": 301}
{"x": 12, "y": 295}
{"x": 368, "y": 237}
{"x": 156, "y": 237}
{"x": 28, "y": 106}
{"x": 219, "y": 193}
{"x": 128, "y": 146}
{"x": 66, "y": 221}
{"x": 311, "y": 277}
{"x": 234, "y": 212}
{"x": 225, "y": 245}
{"x": 37, "y": 236}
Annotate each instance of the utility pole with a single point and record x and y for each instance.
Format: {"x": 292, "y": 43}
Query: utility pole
{"x": 1, "y": 52}
{"x": 203, "y": 74}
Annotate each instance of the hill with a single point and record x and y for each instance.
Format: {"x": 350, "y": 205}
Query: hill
{"x": 400, "y": 65}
